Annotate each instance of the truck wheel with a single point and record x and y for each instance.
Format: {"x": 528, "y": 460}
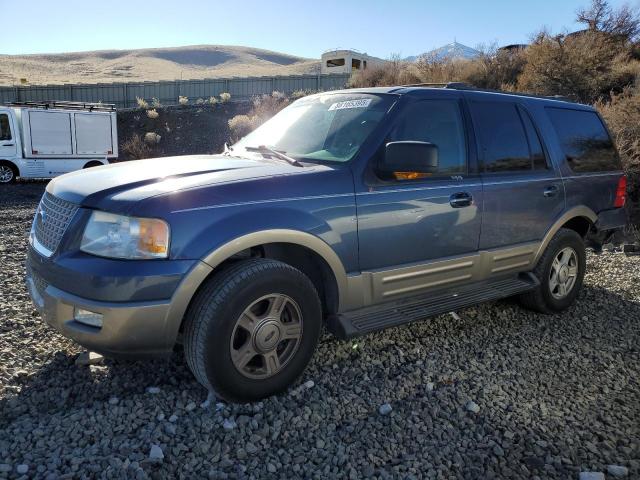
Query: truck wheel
{"x": 8, "y": 172}
{"x": 251, "y": 330}
{"x": 560, "y": 271}
{"x": 93, "y": 164}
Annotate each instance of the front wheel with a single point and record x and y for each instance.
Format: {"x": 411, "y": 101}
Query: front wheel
{"x": 561, "y": 271}
{"x": 252, "y": 329}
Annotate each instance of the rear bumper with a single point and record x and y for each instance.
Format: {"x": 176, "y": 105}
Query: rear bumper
{"x": 129, "y": 329}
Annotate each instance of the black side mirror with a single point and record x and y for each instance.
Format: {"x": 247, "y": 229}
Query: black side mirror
{"x": 409, "y": 156}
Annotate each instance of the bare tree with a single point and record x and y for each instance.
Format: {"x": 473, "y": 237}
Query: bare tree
{"x": 600, "y": 17}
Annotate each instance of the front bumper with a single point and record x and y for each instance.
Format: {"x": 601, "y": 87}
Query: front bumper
{"x": 129, "y": 329}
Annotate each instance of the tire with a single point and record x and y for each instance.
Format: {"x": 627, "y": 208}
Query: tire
{"x": 549, "y": 297}
{"x": 92, "y": 164}
{"x": 8, "y": 173}
{"x": 229, "y": 317}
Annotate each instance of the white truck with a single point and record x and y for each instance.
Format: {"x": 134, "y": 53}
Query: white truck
{"x": 46, "y": 139}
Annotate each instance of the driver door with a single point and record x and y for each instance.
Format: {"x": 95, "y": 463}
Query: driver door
{"x": 408, "y": 223}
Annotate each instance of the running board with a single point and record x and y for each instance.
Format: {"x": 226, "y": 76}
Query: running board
{"x": 391, "y": 314}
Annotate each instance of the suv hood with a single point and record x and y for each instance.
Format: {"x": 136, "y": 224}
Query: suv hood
{"x": 129, "y": 182}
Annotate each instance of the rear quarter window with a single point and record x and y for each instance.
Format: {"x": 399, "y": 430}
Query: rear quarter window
{"x": 584, "y": 140}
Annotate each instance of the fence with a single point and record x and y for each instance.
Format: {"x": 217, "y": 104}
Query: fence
{"x": 123, "y": 95}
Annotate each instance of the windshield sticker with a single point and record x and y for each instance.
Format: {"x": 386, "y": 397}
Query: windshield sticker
{"x": 364, "y": 103}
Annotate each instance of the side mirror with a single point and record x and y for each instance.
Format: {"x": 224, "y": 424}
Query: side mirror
{"x": 409, "y": 156}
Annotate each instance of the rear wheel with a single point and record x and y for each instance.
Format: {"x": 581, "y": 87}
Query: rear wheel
{"x": 561, "y": 271}
{"x": 93, "y": 164}
{"x": 8, "y": 172}
{"x": 252, "y": 329}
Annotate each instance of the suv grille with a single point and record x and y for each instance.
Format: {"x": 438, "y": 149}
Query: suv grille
{"x": 51, "y": 221}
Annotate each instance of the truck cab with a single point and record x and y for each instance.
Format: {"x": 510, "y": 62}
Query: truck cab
{"x": 47, "y": 139}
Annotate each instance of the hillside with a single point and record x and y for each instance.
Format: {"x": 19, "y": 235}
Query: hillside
{"x": 192, "y": 62}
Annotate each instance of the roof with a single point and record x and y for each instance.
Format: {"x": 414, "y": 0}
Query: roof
{"x": 469, "y": 91}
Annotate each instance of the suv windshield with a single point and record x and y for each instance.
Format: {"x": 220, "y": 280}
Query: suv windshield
{"x": 326, "y": 127}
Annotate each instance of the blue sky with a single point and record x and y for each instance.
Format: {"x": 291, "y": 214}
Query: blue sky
{"x": 301, "y": 27}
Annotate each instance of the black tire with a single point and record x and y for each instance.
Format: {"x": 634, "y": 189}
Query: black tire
{"x": 6, "y": 168}
{"x": 211, "y": 319}
{"x": 92, "y": 164}
{"x": 541, "y": 299}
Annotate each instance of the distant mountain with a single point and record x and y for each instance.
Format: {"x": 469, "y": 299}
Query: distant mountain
{"x": 451, "y": 51}
{"x": 151, "y": 64}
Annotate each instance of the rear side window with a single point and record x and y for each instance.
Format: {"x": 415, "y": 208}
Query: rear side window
{"x": 507, "y": 146}
{"x": 584, "y": 140}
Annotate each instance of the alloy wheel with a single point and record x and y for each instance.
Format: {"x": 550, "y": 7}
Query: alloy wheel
{"x": 564, "y": 272}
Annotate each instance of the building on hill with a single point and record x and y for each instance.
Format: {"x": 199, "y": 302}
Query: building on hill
{"x": 346, "y": 61}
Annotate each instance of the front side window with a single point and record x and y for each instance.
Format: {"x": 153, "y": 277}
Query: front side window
{"x": 326, "y": 127}
{"x": 438, "y": 122}
{"x": 502, "y": 137}
{"x": 5, "y": 128}
{"x": 584, "y": 140}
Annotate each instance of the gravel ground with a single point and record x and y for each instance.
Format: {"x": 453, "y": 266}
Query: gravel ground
{"x": 492, "y": 392}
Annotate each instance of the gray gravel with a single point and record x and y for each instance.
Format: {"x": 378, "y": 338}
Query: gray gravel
{"x": 556, "y": 395}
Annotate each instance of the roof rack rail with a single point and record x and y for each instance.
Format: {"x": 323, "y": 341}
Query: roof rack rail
{"x": 466, "y": 86}
{"x": 106, "y": 107}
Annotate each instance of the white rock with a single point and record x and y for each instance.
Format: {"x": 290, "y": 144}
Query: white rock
{"x": 89, "y": 358}
{"x": 153, "y": 390}
{"x": 160, "y": 416}
{"x": 229, "y": 424}
{"x": 591, "y": 476}
{"x": 173, "y": 418}
{"x": 22, "y": 469}
{"x": 190, "y": 406}
{"x": 385, "y": 409}
{"x": 220, "y": 406}
{"x": 454, "y": 315}
{"x": 472, "y": 406}
{"x": 156, "y": 453}
{"x": 309, "y": 384}
{"x": 617, "y": 471}
{"x": 430, "y": 386}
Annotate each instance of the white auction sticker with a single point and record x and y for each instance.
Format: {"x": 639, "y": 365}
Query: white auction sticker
{"x": 363, "y": 103}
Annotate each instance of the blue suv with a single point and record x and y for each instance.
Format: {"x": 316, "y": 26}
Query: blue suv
{"x": 356, "y": 210}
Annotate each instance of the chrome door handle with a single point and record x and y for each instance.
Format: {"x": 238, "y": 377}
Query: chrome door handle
{"x": 461, "y": 199}
{"x": 550, "y": 191}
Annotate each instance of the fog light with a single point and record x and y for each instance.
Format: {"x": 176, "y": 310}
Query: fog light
{"x": 87, "y": 317}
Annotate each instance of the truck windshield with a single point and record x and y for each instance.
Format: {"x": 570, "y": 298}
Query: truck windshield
{"x": 325, "y": 127}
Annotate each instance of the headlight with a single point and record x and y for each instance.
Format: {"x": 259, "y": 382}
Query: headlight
{"x": 119, "y": 236}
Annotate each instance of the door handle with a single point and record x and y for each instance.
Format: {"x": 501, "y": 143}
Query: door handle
{"x": 7, "y": 144}
{"x": 550, "y": 191}
{"x": 460, "y": 199}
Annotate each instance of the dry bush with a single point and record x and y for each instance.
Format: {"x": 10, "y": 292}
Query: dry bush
{"x": 183, "y": 100}
{"x": 200, "y": 101}
{"x": 585, "y": 67}
{"x": 142, "y": 103}
{"x": 225, "y": 97}
{"x": 395, "y": 71}
{"x": 152, "y": 138}
{"x": 136, "y": 148}
{"x": 155, "y": 103}
{"x": 264, "y": 107}
{"x": 153, "y": 114}
{"x": 212, "y": 100}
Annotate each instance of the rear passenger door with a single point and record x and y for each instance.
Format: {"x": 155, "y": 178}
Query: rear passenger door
{"x": 522, "y": 191}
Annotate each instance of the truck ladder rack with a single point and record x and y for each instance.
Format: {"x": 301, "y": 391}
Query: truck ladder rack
{"x": 87, "y": 106}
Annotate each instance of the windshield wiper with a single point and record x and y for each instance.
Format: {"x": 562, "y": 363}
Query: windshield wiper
{"x": 274, "y": 153}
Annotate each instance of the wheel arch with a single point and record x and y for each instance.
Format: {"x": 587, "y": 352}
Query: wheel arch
{"x": 580, "y": 219}
{"x": 11, "y": 164}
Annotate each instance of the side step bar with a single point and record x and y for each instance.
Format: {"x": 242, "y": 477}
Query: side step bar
{"x": 391, "y": 314}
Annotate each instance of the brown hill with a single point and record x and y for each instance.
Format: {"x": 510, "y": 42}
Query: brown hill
{"x": 192, "y": 62}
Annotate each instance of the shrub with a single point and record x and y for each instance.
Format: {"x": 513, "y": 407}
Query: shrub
{"x": 199, "y": 101}
{"x": 152, "y": 138}
{"x": 153, "y": 113}
{"x": 155, "y": 103}
{"x": 183, "y": 100}
{"x": 142, "y": 103}
{"x": 136, "y": 148}
{"x": 212, "y": 100}
{"x": 225, "y": 97}
{"x": 241, "y": 125}
{"x": 264, "y": 107}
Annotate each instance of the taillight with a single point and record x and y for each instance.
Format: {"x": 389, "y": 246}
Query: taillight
{"x": 621, "y": 192}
